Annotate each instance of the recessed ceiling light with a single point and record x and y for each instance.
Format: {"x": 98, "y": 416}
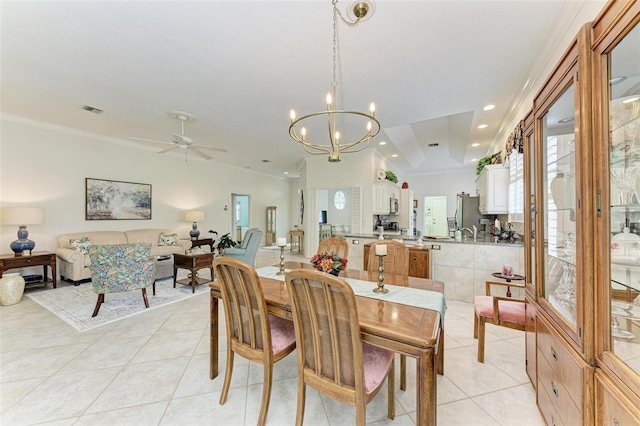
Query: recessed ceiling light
{"x": 483, "y": 126}
{"x": 382, "y": 143}
{"x": 394, "y": 155}
{"x": 475, "y": 144}
{"x": 286, "y": 173}
{"x": 488, "y": 107}
{"x": 473, "y": 160}
{"x": 566, "y": 120}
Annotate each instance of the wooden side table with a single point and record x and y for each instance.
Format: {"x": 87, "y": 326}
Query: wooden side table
{"x": 297, "y": 239}
{"x": 202, "y": 242}
{"x": 192, "y": 262}
{"x": 509, "y": 278}
{"x": 38, "y": 258}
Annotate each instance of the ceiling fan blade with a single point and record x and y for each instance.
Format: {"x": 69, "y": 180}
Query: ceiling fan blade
{"x": 168, "y": 149}
{"x": 201, "y": 154}
{"x": 148, "y": 140}
{"x": 212, "y": 148}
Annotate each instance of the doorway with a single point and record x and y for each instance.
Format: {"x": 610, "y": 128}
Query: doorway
{"x": 435, "y": 216}
{"x": 239, "y": 215}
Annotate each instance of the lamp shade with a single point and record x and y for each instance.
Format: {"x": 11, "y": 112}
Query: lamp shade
{"x": 194, "y": 216}
{"x": 22, "y": 216}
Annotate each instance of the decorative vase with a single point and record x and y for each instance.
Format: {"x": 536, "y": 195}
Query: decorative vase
{"x": 11, "y": 289}
{"x": 563, "y": 190}
{"x": 335, "y": 272}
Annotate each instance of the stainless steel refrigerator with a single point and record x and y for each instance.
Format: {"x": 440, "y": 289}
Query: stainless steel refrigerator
{"x": 468, "y": 212}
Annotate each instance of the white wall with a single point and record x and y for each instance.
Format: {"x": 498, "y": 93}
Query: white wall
{"x": 442, "y": 184}
{"x": 47, "y": 167}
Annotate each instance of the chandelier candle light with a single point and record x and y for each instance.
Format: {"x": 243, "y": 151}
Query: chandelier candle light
{"x": 335, "y": 147}
{"x": 282, "y": 242}
{"x": 381, "y": 252}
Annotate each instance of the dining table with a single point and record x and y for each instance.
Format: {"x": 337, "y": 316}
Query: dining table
{"x": 414, "y": 331}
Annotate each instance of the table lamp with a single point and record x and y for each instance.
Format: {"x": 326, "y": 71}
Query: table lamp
{"x": 22, "y": 216}
{"x": 194, "y": 216}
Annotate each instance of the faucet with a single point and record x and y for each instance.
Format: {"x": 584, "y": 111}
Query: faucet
{"x": 473, "y": 233}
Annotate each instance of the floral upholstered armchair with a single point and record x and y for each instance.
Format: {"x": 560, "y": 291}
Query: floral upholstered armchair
{"x": 121, "y": 267}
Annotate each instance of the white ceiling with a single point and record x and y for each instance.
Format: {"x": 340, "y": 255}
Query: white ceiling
{"x": 240, "y": 66}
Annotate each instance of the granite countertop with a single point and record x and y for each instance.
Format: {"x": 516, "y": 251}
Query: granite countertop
{"x": 481, "y": 239}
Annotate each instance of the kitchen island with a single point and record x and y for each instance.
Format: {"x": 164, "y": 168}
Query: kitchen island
{"x": 464, "y": 266}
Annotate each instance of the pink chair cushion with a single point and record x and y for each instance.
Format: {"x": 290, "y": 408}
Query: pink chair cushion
{"x": 509, "y": 311}
{"x": 376, "y": 365}
{"x": 282, "y": 333}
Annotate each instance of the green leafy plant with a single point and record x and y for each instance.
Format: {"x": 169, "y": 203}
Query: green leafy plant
{"x": 391, "y": 176}
{"x": 482, "y": 162}
{"x": 225, "y": 242}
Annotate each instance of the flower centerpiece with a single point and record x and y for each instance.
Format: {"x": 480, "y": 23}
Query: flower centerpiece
{"x": 331, "y": 263}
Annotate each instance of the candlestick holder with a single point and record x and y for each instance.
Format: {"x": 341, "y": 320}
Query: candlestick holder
{"x": 281, "y": 271}
{"x": 380, "y": 289}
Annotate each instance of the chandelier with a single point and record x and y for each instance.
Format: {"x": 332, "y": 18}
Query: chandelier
{"x": 371, "y": 126}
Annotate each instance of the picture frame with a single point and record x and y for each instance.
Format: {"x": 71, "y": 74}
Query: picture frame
{"x": 117, "y": 200}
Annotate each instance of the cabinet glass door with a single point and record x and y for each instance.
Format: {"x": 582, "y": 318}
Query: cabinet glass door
{"x": 558, "y": 209}
{"x": 623, "y": 87}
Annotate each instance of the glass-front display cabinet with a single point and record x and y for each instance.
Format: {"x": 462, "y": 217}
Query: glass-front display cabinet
{"x": 617, "y": 133}
{"x": 562, "y": 123}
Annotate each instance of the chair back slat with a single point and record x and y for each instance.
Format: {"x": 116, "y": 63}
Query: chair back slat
{"x": 327, "y": 327}
{"x": 396, "y": 261}
{"x": 244, "y": 304}
{"x": 335, "y": 245}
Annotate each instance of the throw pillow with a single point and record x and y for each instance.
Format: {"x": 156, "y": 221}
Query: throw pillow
{"x": 168, "y": 239}
{"x": 81, "y": 245}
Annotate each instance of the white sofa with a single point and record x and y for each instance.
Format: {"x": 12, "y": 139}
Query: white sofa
{"x": 75, "y": 266}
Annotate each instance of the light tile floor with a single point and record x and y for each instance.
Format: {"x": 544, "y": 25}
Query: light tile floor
{"x": 152, "y": 369}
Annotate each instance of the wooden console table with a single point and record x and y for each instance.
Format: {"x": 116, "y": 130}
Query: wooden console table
{"x": 38, "y": 258}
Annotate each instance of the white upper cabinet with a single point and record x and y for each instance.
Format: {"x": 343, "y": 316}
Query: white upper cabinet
{"x": 492, "y": 187}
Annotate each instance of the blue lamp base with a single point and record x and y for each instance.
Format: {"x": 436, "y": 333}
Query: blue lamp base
{"x": 194, "y": 233}
{"x": 22, "y": 243}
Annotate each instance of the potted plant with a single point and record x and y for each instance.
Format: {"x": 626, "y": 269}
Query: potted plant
{"x": 482, "y": 162}
{"x": 225, "y": 242}
{"x": 390, "y": 176}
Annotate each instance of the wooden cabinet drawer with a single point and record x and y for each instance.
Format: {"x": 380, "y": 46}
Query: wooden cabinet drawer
{"x": 612, "y": 406}
{"x": 550, "y": 383}
{"x": 567, "y": 368}
{"x": 547, "y": 409}
{"x": 419, "y": 263}
{"x": 26, "y": 261}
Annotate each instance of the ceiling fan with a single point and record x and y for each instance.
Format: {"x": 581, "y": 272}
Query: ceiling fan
{"x": 181, "y": 141}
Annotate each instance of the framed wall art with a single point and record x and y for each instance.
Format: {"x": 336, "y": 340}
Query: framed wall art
{"x": 115, "y": 200}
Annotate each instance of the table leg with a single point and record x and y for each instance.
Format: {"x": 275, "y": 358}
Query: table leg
{"x": 54, "y": 274}
{"x": 440, "y": 355}
{"x": 194, "y": 280}
{"x": 426, "y": 392}
{"x": 175, "y": 274}
{"x": 213, "y": 339}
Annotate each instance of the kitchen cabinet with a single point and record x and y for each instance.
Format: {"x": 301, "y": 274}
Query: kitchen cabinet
{"x": 492, "y": 187}
{"x": 383, "y": 191}
{"x": 419, "y": 263}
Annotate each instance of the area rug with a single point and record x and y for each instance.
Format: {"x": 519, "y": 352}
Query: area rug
{"x": 75, "y": 304}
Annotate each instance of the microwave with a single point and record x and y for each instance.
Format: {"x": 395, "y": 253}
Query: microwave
{"x": 393, "y": 206}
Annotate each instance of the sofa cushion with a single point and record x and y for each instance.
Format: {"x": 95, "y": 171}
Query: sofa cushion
{"x": 168, "y": 239}
{"x": 97, "y": 238}
{"x": 81, "y": 246}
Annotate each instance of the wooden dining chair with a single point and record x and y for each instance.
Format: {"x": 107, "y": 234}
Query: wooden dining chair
{"x": 497, "y": 310}
{"x": 396, "y": 262}
{"x": 335, "y": 245}
{"x": 251, "y": 332}
{"x": 332, "y": 358}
